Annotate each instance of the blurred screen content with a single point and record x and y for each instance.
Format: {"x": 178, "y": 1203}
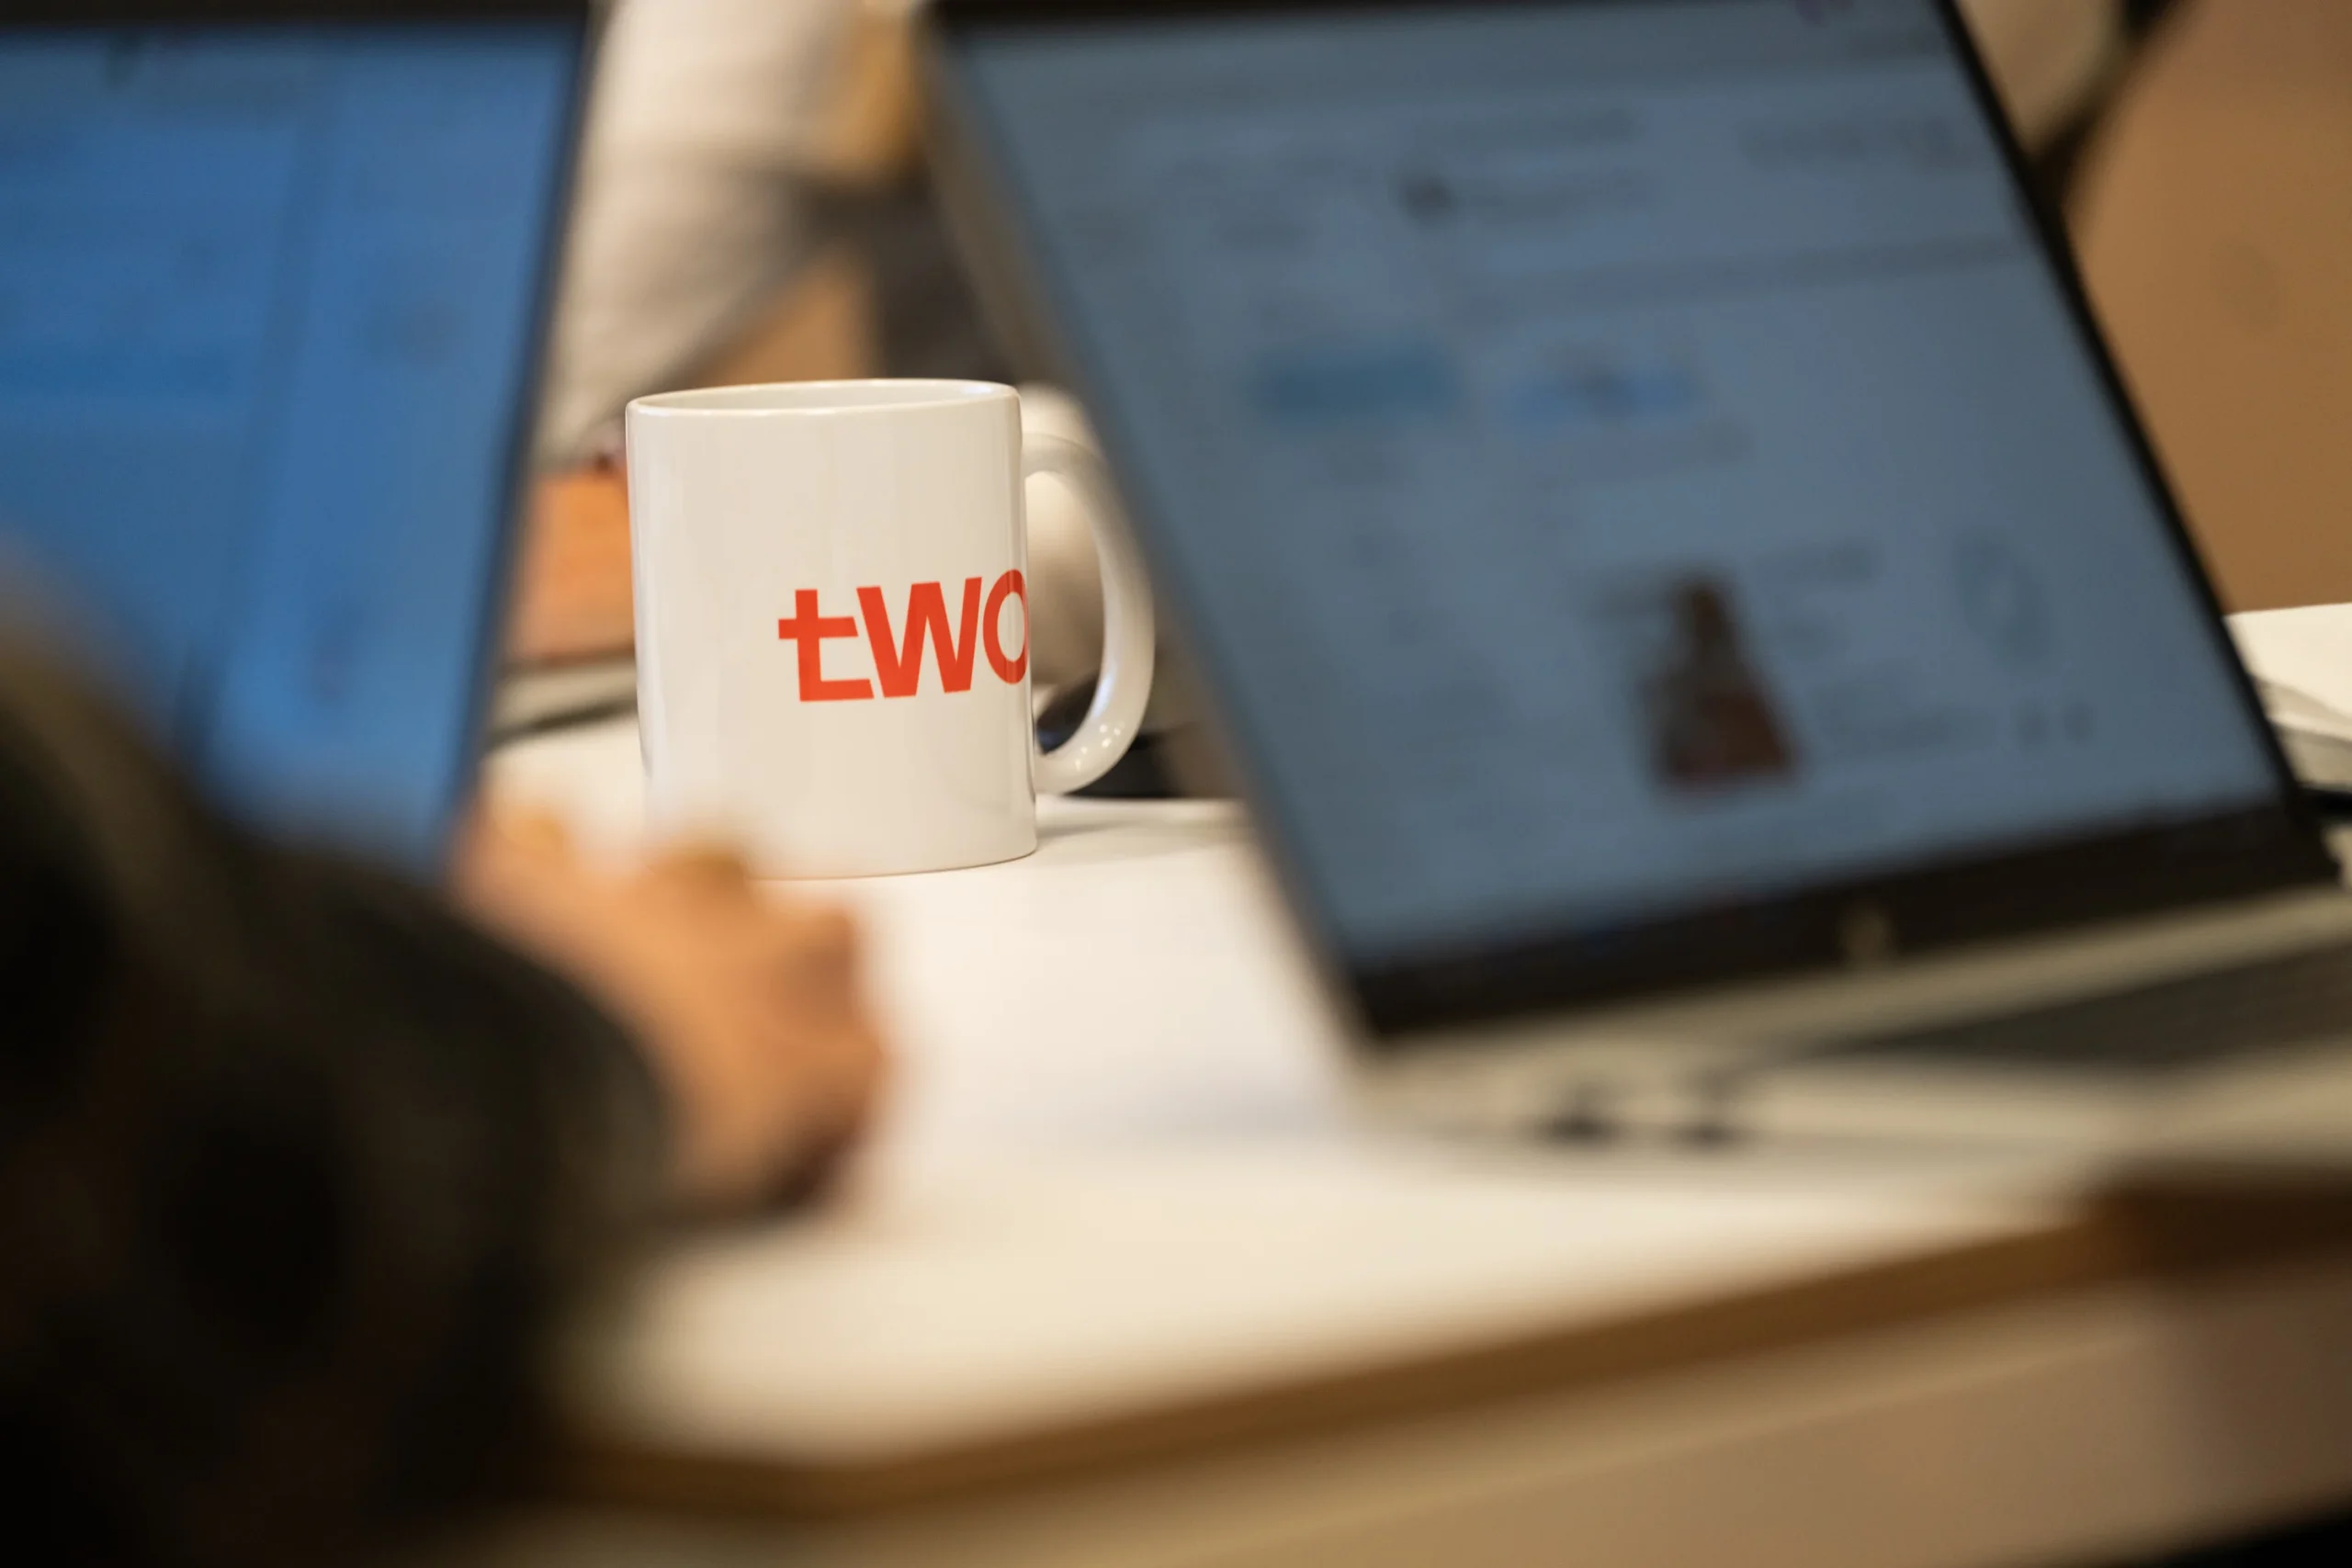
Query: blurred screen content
{"x": 268, "y": 299}
{"x": 1626, "y": 458}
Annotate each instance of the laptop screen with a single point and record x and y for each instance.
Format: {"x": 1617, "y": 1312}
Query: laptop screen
{"x": 270, "y": 297}
{"x": 1614, "y": 460}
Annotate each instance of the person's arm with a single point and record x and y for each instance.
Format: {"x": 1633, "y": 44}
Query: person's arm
{"x": 298, "y": 1168}
{"x": 748, "y": 1005}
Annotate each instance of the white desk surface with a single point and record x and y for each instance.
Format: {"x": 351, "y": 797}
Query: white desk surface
{"x": 1120, "y": 1172}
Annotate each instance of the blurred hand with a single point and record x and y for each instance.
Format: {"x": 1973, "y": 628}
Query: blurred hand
{"x": 748, "y": 1006}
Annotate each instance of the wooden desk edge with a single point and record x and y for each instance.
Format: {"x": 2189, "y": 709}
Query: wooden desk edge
{"x": 2168, "y": 1234}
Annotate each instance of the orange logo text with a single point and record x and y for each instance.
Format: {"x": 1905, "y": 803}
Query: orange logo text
{"x": 898, "y": 645}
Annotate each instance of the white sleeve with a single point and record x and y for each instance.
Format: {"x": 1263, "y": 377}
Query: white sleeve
{"x": 687, "y": 217}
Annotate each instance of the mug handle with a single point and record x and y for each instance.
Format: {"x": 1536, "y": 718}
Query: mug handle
{"x": 1124, "y": 688}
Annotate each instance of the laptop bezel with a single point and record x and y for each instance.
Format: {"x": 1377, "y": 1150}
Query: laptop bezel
{"x": 511, "y": 497}
{"x": 1925, "y": 907}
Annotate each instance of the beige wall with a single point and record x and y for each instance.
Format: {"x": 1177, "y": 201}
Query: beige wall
{"x": 2215, "y": 223}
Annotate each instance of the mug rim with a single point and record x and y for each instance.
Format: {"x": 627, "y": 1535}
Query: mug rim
{"x": 828, "y": 398}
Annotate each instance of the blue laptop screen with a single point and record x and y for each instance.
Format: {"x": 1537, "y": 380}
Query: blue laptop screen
{"x": 1614, "y": 459}
{"x": 269, "y": 303}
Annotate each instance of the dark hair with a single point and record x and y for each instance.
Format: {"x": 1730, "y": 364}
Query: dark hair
{"x": 286, "y": 1154}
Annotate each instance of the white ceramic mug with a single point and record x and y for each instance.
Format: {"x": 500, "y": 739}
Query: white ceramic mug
{"x": 832, "y": 624}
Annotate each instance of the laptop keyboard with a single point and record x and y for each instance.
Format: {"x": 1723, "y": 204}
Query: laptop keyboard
{"x": 2220, "y": 1016}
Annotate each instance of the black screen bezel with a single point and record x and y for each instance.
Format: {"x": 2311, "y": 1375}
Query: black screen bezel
{"x": 1977, "y": 897}
{"x": 510, "y": 494}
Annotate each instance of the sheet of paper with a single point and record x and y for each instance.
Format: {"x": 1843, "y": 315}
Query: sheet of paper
{"x": 2301, "y": 660}
{"x": 1121, "y": 1172}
